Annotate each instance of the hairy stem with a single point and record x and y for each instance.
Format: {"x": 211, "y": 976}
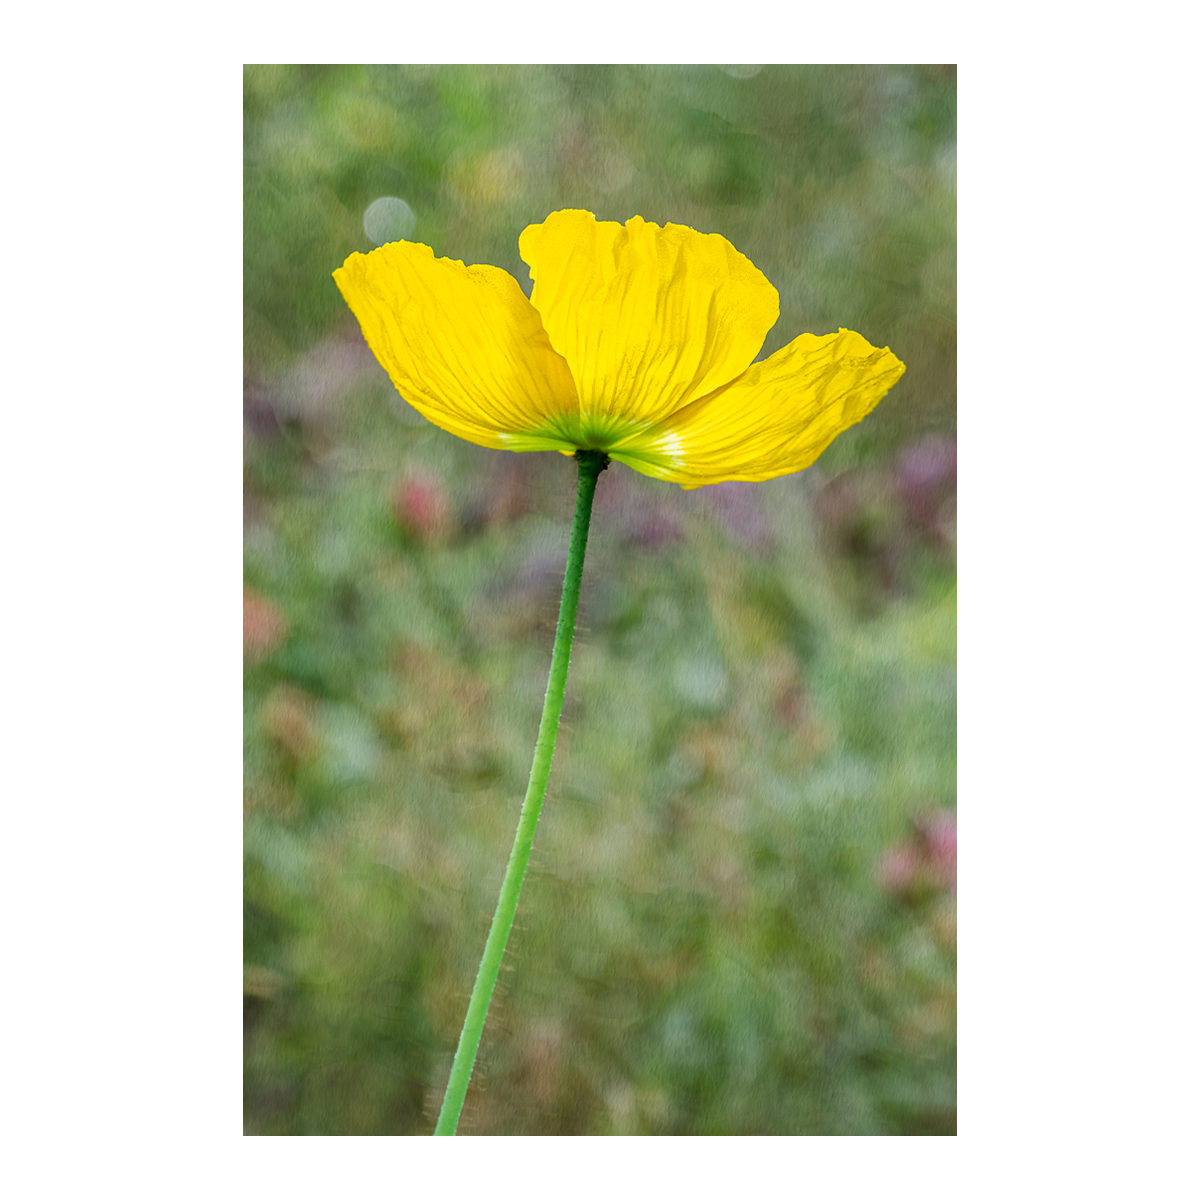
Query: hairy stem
{"x": 591, "y": 463}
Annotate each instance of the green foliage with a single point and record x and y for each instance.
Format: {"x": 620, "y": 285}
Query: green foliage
{"x": 761, "y": 705}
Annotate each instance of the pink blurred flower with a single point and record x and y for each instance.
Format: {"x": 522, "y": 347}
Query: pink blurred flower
{"x": 927, "y": 479}
{"x": 926, "y": 861}
{"x": 939, "y": 836}
{"x": 263, "y": 626}
{"x": 421, "y": 506}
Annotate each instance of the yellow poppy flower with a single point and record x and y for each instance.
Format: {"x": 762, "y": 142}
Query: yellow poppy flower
{"x": 638, "y": 340}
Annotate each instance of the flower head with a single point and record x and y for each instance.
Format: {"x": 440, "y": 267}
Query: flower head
{"x": 637, "y": 340}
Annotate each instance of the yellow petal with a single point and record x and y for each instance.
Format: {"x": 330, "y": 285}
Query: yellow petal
{"x": 648, "y": 318}
{"x": 462, "y": 344}
{"x": 779, "y": 416}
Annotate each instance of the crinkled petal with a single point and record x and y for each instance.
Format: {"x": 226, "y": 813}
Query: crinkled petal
{"x": 648, "y": 318}
{"x": 463, "y": 345}
{"x": 779, "y": 416}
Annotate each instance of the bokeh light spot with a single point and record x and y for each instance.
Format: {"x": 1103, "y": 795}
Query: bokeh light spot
{"x": 388, "y": 219}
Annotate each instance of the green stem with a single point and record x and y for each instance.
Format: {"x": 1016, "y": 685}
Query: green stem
{"x": 591, "y": 463}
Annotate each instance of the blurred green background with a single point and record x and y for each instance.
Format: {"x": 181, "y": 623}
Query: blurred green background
{"x": 740, "y": 914}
